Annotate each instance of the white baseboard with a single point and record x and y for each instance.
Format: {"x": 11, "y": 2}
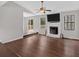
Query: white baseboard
{"x": 7, "y": 41}
{"x": 30, "y": 33}
{"x": 72, "y": 38}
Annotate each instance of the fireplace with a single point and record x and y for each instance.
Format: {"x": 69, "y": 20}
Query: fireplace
{"x": 53, "y": 30}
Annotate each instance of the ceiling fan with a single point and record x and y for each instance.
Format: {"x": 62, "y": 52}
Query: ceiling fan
{"x": 43, "y": 9}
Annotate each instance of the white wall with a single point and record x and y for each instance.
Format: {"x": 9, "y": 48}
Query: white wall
{"x": 11, "y": 24}
{"x": 25, "y": 19}
{"x": 78, "y": 25}
{"x": 73, "y": 34}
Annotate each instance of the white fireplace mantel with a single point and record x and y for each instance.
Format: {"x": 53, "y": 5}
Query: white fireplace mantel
{"x": 55, "y": 24}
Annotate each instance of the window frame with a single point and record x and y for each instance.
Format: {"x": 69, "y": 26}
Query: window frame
{"x": 69, "y": 22}
{"x": 42, "y": 22}
{"x": 30, "y": 24}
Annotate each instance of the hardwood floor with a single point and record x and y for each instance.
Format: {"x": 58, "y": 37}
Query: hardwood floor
{"x": 4, "y": 52}
{"x": 39, "y": 45}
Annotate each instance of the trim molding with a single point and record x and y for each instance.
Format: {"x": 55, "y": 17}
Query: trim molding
{"x": 7, "y": 41}
{"x": 29, "y": 34}
{"x": 71, "y": 38}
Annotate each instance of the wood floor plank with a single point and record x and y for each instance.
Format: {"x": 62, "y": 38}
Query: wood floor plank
{"x": 39, "y": 45}
{"x": 4, "y": 52}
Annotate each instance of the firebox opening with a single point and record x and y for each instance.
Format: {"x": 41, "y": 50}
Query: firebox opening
{"x": 54, "y": 30}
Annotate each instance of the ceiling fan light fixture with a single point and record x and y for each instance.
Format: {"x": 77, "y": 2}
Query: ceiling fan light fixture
{"x": 43, "y": 9}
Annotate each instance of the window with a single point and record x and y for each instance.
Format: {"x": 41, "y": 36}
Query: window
{"x": 42, "y": 22}
{"x": 69, "y": 22}
{"x": 30, "y": 24}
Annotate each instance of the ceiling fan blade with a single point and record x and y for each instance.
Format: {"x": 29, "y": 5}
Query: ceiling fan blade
{"x": 35, "y": 9}
{"x": 48, "y": 10}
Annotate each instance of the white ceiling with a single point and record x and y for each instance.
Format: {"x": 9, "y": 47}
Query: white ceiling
{"x": 55, "y": 6}
{"x": 2, "y": 2}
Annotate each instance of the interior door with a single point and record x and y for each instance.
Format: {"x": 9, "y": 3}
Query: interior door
{"x": 30, "y": 25}
{"x": 43, "y": 25}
